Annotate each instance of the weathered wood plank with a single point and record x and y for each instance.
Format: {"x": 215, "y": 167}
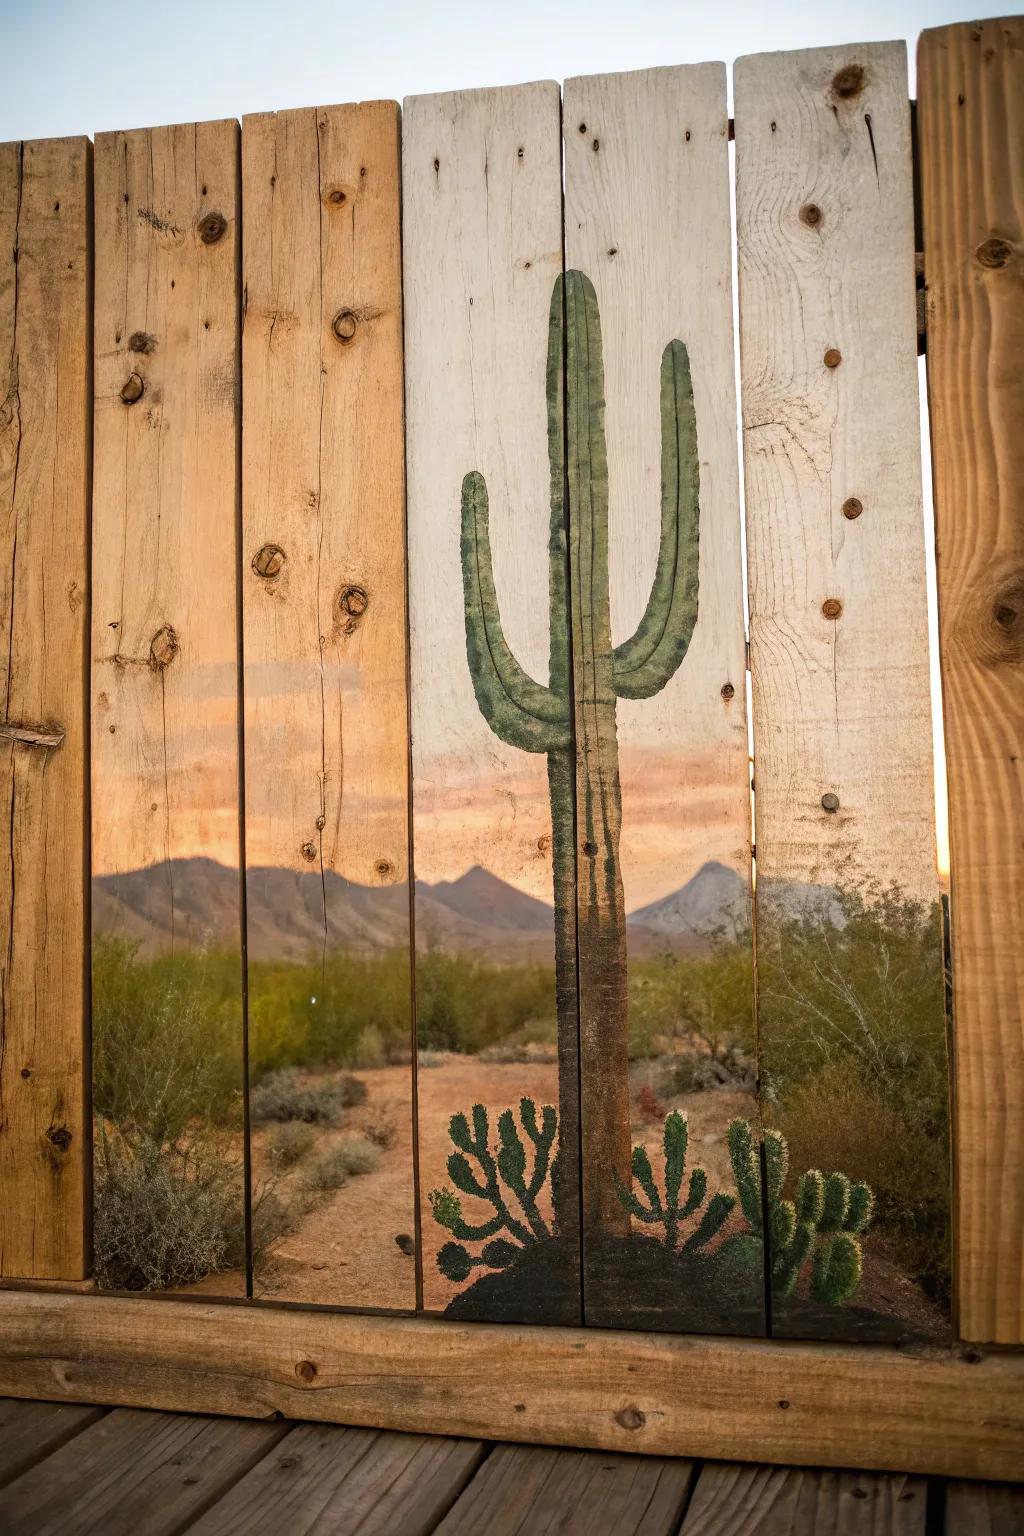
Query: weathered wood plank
{"x": 735, "y": 1500}
{"x": 580, "y": 1493}
{"x": 167, "y": 1028}
{"x": 326, "y": 725}
{"x": 45, "y": 223}
{"x": 647, "y": 220}
{"x": 346, "y": 1481}
{"x": 850, "y": 983}
{"x": 493, "y": 834}
{"x": 971, "y": 135}
{"x": 777, "y": 1401}
{"x": 30, "y": 1431}
{"x": 984, "y": 1509}
{"x": 135, "y": 1474}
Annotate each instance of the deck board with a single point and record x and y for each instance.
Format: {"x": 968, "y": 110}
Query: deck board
{"x": 79, "y": 1471}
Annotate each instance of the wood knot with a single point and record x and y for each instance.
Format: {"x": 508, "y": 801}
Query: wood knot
{"x": 589, "y": 849}
{"x": 212, "y": 227}
{"x": 163, "y": 648}
{"x": 353, "y": 601}
{"x": 60, "y": 1137}
{"x": 308, "y": 851}
{"x": 811, "y": 215}
{"x": 306, "y": 1370}
{"x": 344, "y": 325}
{"x": 336, "y": 197}
{"x": 996, "y": 627}
{"x": 143, "y": 342}
{"x": 727, "y": 691}
{"x": 993, "y": 253}
{"x": 384, "y": 869}
{"x": 132, "y": 389}
{"x": 631, "y": 1417}
{"x": 268, "y": 561}
{"x": 832, "y": 608}
{"x": 849, "y": 81}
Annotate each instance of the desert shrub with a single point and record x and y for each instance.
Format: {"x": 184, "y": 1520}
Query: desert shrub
{"x": 382, "y": 1133}
{"x": 284, "y": 1095}
{"x": 290, "y": 1143}
{"x": 335, "y": 1166}
{"x": 649, "y": 1106}
{"x": 466, "y": 1005}
{"x": 706, "y": 996}
{"x": 839, "y": 1119}
{"x": 166, "y": 1040}
{"x": 347, "y": 1011}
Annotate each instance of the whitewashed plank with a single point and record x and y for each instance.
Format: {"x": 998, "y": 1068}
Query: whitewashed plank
{"x": 647, "y": 220}
{"x": 483, "y": 251}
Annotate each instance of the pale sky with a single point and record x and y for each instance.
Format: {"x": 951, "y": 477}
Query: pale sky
{"x": 85, "y": 66}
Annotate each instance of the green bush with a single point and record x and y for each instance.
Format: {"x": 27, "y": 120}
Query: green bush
{"x": 338, "y": 1164}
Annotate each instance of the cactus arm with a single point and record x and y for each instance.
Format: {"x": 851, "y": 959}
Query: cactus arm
{"x": 517, "y": 709}
{"x": 711, "y": 1223}
{"x": 746, "y": 1169}
{"x": 835, "y": 1273}
{"x": 643, "y": 664}
{"x": 511, "y": 1164}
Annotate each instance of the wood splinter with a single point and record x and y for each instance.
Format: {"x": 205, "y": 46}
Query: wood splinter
{"x": 31, "y": 735}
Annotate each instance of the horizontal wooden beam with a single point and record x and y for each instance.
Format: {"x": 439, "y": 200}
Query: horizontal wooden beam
{"x": 958, "y": 1415}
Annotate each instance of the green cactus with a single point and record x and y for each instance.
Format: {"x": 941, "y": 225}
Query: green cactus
{"x": 505, "y": 1166}
{"x": 827, "y": 1207}
{"x": 576, "y": 727}
{"x": 667, "y": 1212}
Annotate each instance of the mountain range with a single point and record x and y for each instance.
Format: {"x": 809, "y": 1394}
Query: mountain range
{"x": 197, "y": 901}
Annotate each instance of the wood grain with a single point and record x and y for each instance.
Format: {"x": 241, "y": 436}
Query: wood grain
{"x": 482, "y": 239}
{"x": 347, "y": 1481}
{"x": 841, "y": 705}
{"x": 978, "y": 1509}
{"x": 578, "y": 1493}
{"x": 135, "y": 1474}
{"x": 45, "y": 225}
{"x": 844, "y": 790}
{"x": 326, "y": 729}
{"x": 647, "y": 219}
{"x": 971, "y": 134}
{"x": 781, "y": 1402}
{"x": 165, "y": 549}
{"x": 742, "y": 1500}
{"x": 30, "y": 1431}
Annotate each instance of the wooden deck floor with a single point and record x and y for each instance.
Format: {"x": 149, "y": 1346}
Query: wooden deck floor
{"x": 126, "y": 1472}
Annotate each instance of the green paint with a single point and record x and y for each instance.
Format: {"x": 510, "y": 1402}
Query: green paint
{"x": 582, "y": 752}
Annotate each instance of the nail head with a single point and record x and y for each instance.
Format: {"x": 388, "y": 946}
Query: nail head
{"x": 212, "y": 228}
{"x": 268, "y": 561}
{"x": 833, "y": 357}
{"x": 831, "y": 607}
{"x": 344, "y": 325}
{"x": 810, "y": 213}
{"x": 830, "y": 803}
{"x": 852, "y": 507}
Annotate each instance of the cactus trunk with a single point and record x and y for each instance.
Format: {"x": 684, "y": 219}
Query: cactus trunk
{"x": 600, "y": 901}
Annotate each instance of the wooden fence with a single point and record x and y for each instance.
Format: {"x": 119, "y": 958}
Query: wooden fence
{"x": 382, "y": 900}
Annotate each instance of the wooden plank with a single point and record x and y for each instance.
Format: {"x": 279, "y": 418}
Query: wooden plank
{"x": 984, "y": 1509}
{"x": 733, "y": 1500}
{"x": 581, "y": 1493}
{"x": 30, "y": 1431}
{"x": 493, "y": 834}
{"x": 648, "y": 223}
{"x": 136, "y": 1474}
{"x": 167, "y": 1027}
{"x": 782, "y": 1402}
{"x": 45, "y": 221}
{"x": 326, "y": 728}
{"x": 850, "y": 990}
{"x": 346, "y": 1481}
{"x": 971, "y": 135}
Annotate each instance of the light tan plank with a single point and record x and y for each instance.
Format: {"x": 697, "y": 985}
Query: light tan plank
{"x": 647, "y": 220}
{"x": 984, "y": 1509}
{"x": 741, "y": 1501}
{"x": 135, "y": 1474}
{"x": 45, "y": 217}
{"x": 347, "y": 1481}
{"x": 326, "y": 728}
{"x": 165, "y": 834}
{"x": 785, "y": 1403}
{"x": 580, "y": 1493}
{"x": 483, "y": 252}
{"x": 30, "y": 1431}
{"x": 971, "y": 125}
{"x": 849, "y": 954}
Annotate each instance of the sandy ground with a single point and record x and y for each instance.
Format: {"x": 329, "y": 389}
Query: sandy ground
{"x": 344, "y": 1251}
